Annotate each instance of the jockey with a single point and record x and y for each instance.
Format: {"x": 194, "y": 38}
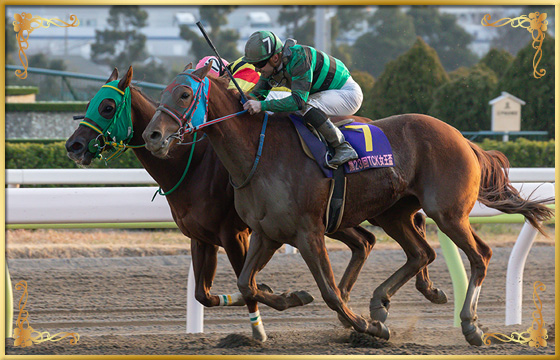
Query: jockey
{"x": 321, "y": 87}
{"x": 244, "y": 74}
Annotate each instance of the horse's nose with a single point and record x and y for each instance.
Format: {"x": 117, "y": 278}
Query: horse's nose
{"x": 153, "y": 139}
{"x": 76, "y": 146}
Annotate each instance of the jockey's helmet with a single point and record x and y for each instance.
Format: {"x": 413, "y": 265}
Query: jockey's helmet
{"x": 261, "y": 46}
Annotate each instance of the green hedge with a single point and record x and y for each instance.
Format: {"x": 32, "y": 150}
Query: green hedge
{"x": 521, "y": 153}
{"x": 53, "y": 156}
{"x": 63, "y": 106}
{"x": 21, "y": 90}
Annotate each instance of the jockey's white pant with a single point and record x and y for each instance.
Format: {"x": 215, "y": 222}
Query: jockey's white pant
{"x": 337, "y": 102}
{"x": 275, "y": 95}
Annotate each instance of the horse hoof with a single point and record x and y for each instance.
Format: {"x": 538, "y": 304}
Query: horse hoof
{"x": 472, "y": 333}
{"x": 379, "y": 311}
{"x": 259, "y": 334}
{"x": 302, "y": 297}
{"x": 379, "y": 329}
{"x": 265, "y": 288}
{"x": 440, "y": 297}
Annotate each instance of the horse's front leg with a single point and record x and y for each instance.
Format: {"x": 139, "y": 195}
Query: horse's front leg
{"x": 261, "y": 250}
{"x": 361, "y": 242}
{"x": 312, "y": 248}
{"x": 236, "y": 245}
{"x": 204, "y": 260}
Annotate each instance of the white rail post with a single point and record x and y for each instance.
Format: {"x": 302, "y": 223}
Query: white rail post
{"x": 514, "y": 277}
{"x": 195, "y": 310}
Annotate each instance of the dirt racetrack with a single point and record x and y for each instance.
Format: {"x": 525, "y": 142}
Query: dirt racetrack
{"x": 136, "y": 305}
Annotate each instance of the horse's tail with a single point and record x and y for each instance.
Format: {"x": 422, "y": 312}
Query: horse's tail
{"x": 496, "y": 190}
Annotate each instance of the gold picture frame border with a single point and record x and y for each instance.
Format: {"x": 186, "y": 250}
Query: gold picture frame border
{"x": 3, "y": 268}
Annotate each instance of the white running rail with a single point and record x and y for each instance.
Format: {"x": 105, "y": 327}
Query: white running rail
{"x": 133, "y": 204}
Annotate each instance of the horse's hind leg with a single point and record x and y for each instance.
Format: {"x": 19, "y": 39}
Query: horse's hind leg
{"x": 479, "y": 254}
{"x": 261, "y": 250}
{"x": 423, "y": 282}
{"x": 398, "y": 222}
{"x": 313, "y": 251}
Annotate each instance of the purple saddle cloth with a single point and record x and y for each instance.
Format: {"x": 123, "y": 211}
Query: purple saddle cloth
{"x": 369, "y": 141}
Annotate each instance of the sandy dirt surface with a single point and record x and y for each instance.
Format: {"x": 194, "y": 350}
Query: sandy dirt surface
{"x": 136, "y": 305}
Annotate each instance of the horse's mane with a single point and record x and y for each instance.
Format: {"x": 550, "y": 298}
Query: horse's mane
{"x": 145, "y": 96}
{"x": 223, "y": 81}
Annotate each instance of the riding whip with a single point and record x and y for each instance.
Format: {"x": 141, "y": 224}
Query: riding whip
{"x": 243, "y": 97}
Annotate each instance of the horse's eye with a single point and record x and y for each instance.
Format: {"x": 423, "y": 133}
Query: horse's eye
{"x": 108, "y": 108}
{"x": 184, "y": 95}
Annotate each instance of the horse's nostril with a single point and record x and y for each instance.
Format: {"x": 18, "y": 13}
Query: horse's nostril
{"x": 77, "y": 146}
{"x": 155, "y": 135}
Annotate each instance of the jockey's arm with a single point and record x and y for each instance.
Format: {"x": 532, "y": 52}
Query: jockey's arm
{"x": 301, "y": 86}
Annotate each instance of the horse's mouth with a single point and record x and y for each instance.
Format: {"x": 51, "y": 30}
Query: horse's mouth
{"x": 161, "y": 149}
{"x": 83, "y": 159}
{"x": 161, "y": 152}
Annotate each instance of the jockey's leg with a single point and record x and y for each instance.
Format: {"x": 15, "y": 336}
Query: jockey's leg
{"x": 343, "y": 150}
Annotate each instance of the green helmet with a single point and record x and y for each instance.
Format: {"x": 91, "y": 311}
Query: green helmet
{"x": 261, "y": 46}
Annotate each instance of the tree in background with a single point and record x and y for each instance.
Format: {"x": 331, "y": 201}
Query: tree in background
{"x": 463, "y": 102}
{"x": 10, "y": 41}
{"x": 442, "y": 33}
{"x": 225, "y": 40}
{"x": 498, "y": 60}
{"x": 408, "y": 83}
{"x": 392, "y": 34}
{"x": 153, "y": 71}
{"x": 346, "y": 20}
{"x": 518, "y": 80}
{"x": 122, "y": 43}
{"x": 41, "y": 60}
{"x": 366, "y": 82}
{"x": 299, "y": 21}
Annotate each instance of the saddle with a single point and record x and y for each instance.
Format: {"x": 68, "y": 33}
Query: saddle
{"x": 369, "y": 141}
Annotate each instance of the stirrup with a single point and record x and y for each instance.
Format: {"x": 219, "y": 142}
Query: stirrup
{"x": 329, "y": 165}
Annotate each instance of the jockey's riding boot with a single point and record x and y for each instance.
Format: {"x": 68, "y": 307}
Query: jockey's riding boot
{"x": 343, "y": 150}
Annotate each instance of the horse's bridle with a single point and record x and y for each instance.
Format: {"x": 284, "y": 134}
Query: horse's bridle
{"x": 184, "y": 118}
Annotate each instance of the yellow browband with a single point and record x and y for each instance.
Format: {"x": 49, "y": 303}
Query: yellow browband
{"x": 91, "y": 126}
{"x": 117, "y": 89}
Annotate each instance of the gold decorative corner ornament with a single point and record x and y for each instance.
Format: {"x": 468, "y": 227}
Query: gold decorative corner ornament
{"x": 536, "y": 335}
{"x": 25, "y": 335}
{"x": 536, "y": 24}
{"x": 25, "y": 24}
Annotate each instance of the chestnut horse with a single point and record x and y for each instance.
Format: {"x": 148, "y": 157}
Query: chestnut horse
{"x": 203, "y": 208}
{"x": 436, "y": 169}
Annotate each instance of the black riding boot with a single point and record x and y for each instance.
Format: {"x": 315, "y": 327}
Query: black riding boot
{"x": 343, "y": 150}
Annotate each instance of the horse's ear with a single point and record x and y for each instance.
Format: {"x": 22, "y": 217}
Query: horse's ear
{"x": 126, "y": 80}
{"x": 188, "y": 67}
{"x": 114, "y": 76}
{"x": 203, "y": 71}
